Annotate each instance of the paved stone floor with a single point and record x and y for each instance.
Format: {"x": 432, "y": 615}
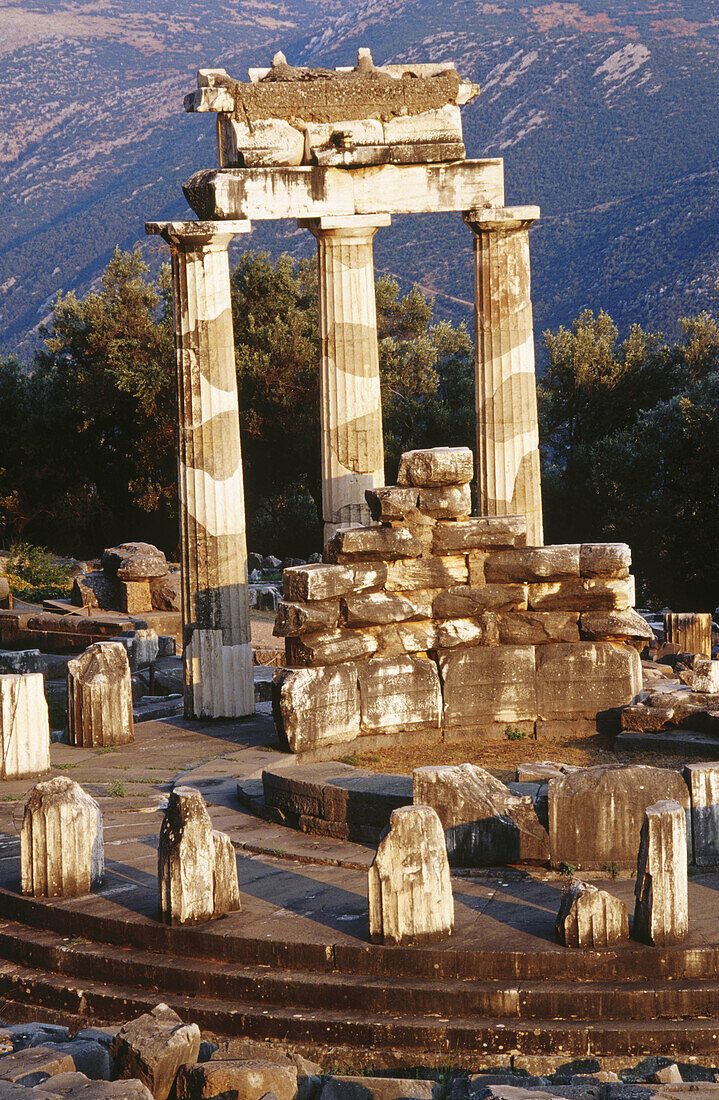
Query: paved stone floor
{"x": 294, "y": 886}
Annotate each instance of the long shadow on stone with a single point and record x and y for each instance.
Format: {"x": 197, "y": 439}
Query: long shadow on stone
{"x": 310, "y": 898}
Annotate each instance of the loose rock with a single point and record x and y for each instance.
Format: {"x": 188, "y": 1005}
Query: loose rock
{"x": 153, "y": 1047}
{"x": 589, "y": 917}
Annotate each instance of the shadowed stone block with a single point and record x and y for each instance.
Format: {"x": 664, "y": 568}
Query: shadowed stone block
{"x": 329, "y": 647}
{"x": 391, "y": 502}
{"x": 446, "y": 502}
{"x": 226, "y": 891}
{"x": 691, "y": 632}
{"x": 619, "y": 625}
{"x": 315, "y": 706}
{"x": 365, "y": 543}
{"x": 185, "y": 859}
{"x": 484, "y": 823}
{"x": 436, "y": 466}
{"x": 316, "y": 582}
{"x": 494, "y": 684}
{"x": 579, "y": 680}
{"x": 376, "y": 1088}
{"x": 243, "y": 1079}
{"x": 152, "y": 1048}
{"x": 399, "y": 694}
{"x": 596, "y": 815}
{"x": 293, "y": 619}
{"x": 409, "y": 886}
{"x": 462, "y": 600}
{"x": 134, "y": 561}
{"x": 478, "y": 533}
{"x": 589, "y": 917}
{"x": 532, "y": 564}
{"x": 661, "y": 912}
{"x": 605, "y": 559}
{"x": 24, "y": 727}
{"x": 99, "y": 691}
{"x": 703, "y": 782}
{"x": 30, "y": 1067}
{"x": 61, "y": 843}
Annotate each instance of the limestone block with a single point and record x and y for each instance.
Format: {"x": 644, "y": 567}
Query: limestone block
{"x": 96, "y": 590}
{"x": 135, "y": 597}
{"x": 541, "y": 771}
{"x": 492, "y": 684}
{"x": 329, "y": 648}
{"x": 605, "y": 559}
{"x": 316, "y": 582}
{"x": 61, "y": 843}
{"x": 483, "y": 822}
{"x": 598, "y": 594}
{"x": 603, "y": 625}
{"x": 24, "y": 727}
{"x": 706, "y": 676}
{"x": 475, "y": 563}
{"x": 268, "y": 143}
{"x": 479, "y": 532}
{"x": 408, "y": 884}
{"x": 340, "y": 1087}
{"x": 371, "y": 574}
{"x": 185, "y": 859}
{"x": 314, "y": 706}
{"x": 391, "y": 502}
{"x": 384, "y": 607}
{"x": 643, "y": 719}
{"x": 134, "y": 561}
{"x": 462, "y": 600}
{"x": 409, "y": 574}
{"x": 661, "y": 912}
{"x": 435, "y": 466}
{"x": 537, "y": 627}
{"x": 399, "y": 694}
{"x": 446, "y": 502}
{"x": 585, "y": 678}
{"x": 241, "y": 1079}
{"x": 590, "y": 917}
{"x": 703, "y": 783}
{"x": 481, "y": 630}
{"x": 532, "y": 564}
{"x": 99, "y": 693}
{"x": 365, "y": 543}
{"x": 296, "y": 618}
{"x": 596, "y": 814}
{"x": 166, "y": 592}
{"x": 225, "y": 888}
{"x": 152, "y": 1048}
{"x": 691, "y": 632}
{"x": 416, "y": 637}
{"x": 31, "y": 1066}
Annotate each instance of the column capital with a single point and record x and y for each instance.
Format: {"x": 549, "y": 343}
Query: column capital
{"x": 488, "y": 218}
{"x": 345, "y": 225}
{"x": 190, "y": 236}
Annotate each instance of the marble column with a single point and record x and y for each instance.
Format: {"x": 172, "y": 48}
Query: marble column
{"x": 350, "y": 400}
{"x": 215, "y": 603}
{"x": 508, "y": 476}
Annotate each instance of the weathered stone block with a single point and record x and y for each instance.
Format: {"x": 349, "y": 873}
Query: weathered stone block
{"x": 416, "y": 637}
{"x": 481, "y": 630}
{"x": 408, "y": 884}
{"x": 316, "y": 582}
{"x": 532, "y": 564}
{"x": 391, "y": 502}
{"x": 32, "y": 1066}
{"x": 407, "y": 575}
{"x": 541, "y": 771}
{"x": 691, "y": 632}
{"x": 585, "y": 678}
{"x": 371, "y": 574}
{"x": 475, "y": 563}
{"x": 152, "y": 1048}
{"x": 245, "y": 1079}
{"x": 478, "y": 533}
{"x": 446, "y": 502}
{"x": 703, "y": 783}
{"x": 166, "y": 592}
{"x": 99, "y": 692}
{"x": 96, "y": 590}
{"x": 706, "y": 676}
{"x": 298, "y": 618}
{"x": 400, "y": 694}
{"x": 384, "y": 607}
{"x": 376, "y": 1088}
{"x": 538, "y": 627}
{"x": 24, "y": 726}
{"x": 330, "y": 648}
{"x": 642, "y": 719}
{"x": 313, "y": 706}
{"x": 661, "y": 912}
{"x": 463, "y": 600}
{"x": 365, "y": 543}
{"x": 589, "y": 917}
{"x": 185, "y": 859}
{"x": 604, "y": 559}
{"x": 484, "y": 823}
{"x": 599, "y": 594}
{"x": 607, "y": 625}
{"x": 134, "y": 561}
{"x": 61, "y": 842}
{"x": 135, "y": 597}
{"x": 488, "y": 685}
{"x": 225, "y": 888}
{"x": 595, "y": 815}
{"x": 436, "y": 466}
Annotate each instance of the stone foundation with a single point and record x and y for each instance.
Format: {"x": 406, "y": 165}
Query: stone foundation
{"x": 428, "y": 628}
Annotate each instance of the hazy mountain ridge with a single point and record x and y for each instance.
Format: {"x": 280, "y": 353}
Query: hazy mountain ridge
{"x": 604, "y": 111}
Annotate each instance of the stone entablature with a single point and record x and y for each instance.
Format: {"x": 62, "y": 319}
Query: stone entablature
{"x": 435, "y": 623}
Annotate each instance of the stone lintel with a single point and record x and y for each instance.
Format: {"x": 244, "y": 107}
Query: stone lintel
{"x": 307, "y": 191}
{"x": 349, "y": 221}
{"x": 507, "y": 217}
{"x": 195, "y": 234}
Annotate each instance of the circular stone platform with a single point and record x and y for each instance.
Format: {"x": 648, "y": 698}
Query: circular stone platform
{"x": 295, "y": 966}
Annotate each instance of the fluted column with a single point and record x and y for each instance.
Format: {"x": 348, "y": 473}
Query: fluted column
{"x": 350, "y": 399}
{"x": 508, "y": 475}
{"x": 215, "y": 604}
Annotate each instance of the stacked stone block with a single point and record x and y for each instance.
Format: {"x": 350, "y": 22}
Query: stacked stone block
{"x": 435, "y": 623}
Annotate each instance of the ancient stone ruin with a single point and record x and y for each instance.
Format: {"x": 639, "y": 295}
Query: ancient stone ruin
{"x": 61, "y": 841}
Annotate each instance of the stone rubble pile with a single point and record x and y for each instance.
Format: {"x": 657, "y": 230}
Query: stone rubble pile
{"x": 435, "y": 623}
{"x": 135, "y": 577}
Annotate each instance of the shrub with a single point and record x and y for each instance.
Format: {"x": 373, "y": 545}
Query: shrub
{"x": 34, "y": 575}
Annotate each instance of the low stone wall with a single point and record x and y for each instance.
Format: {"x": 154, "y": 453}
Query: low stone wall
{"x": 435, "y": 624}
